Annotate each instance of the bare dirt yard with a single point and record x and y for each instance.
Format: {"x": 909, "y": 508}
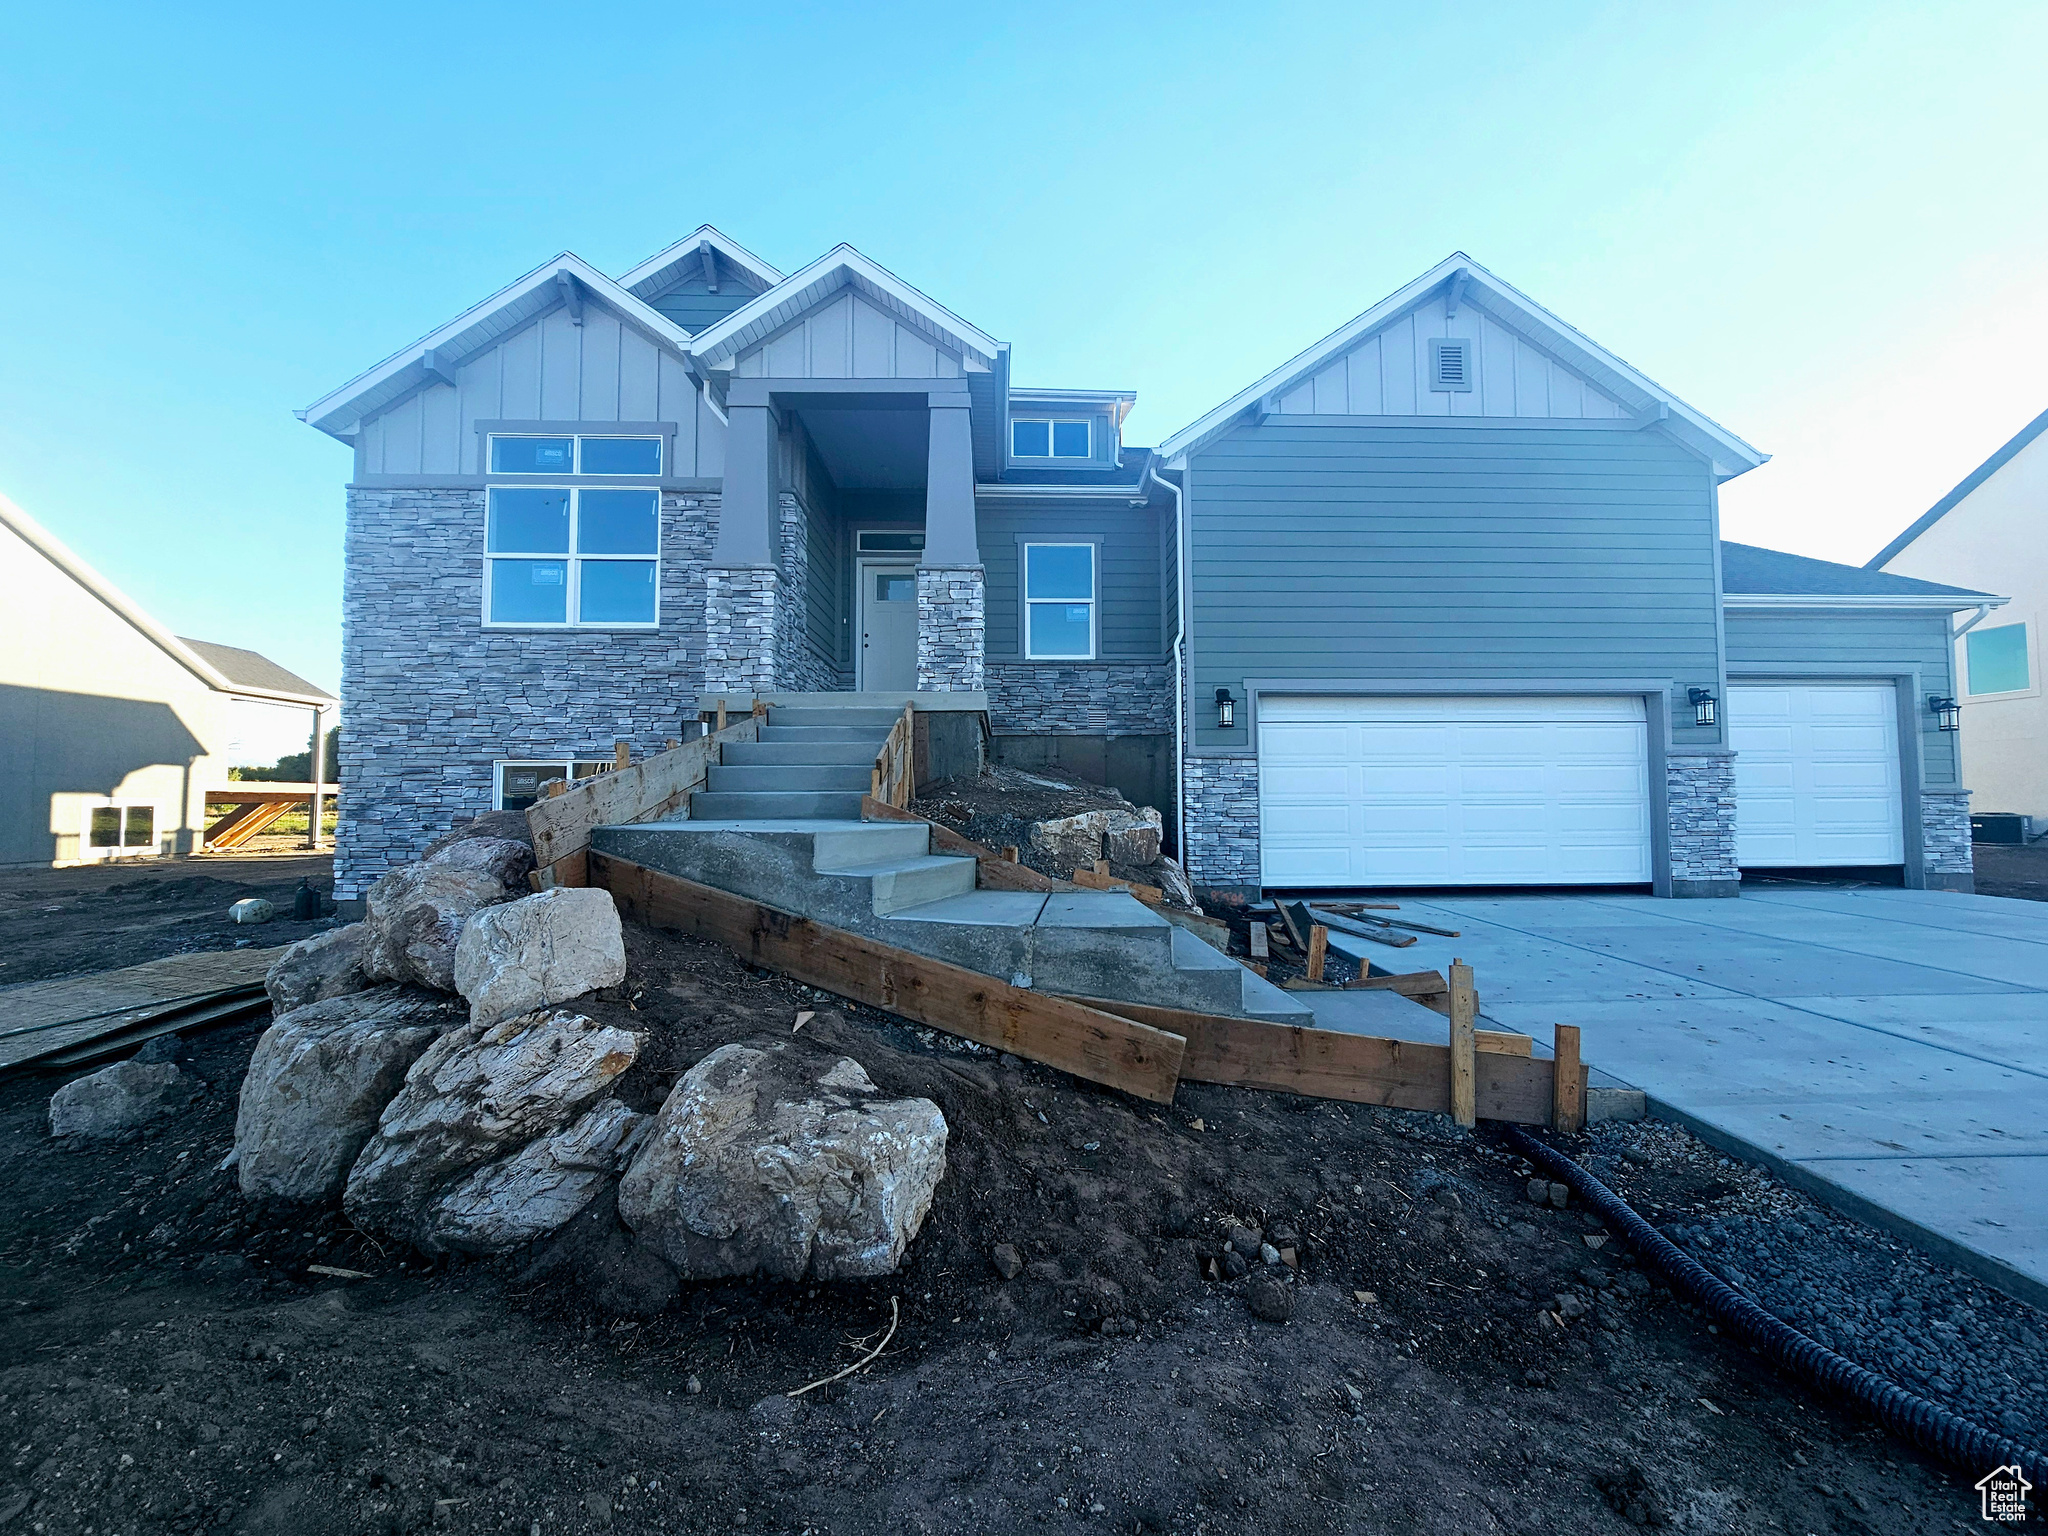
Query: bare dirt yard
{"x": 2004, "y": 869}
{"x": 1441, "y": 1356}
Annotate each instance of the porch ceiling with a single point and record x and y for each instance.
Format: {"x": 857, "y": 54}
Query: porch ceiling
{"x": 871, "y": 450}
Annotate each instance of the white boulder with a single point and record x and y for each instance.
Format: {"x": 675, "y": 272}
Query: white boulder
{"x": 1071, "y": 842}
{"x": 252, "y": 909}
{"x": 415, "y": 914}
{"x": 478, "y": 1094}
{"x": 327, "y": 965}
{"x": 760, "y": 1163}
{"x": 541, "y": 1186}
{"x": 118, "y": 1098}
{"x": 539, "y": 951}
{"x": 318, "y": 1080}
{"x": 1133, "y": 835}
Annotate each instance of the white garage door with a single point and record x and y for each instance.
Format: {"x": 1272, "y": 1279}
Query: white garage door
{"x": 1816, "y": 774}
{"x": 1453, "y": 791}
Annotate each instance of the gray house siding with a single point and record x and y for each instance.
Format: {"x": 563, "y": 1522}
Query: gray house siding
{"x": 1813, "y": 643}
{"x": 1127, "y": 582}
{"x": 1353, "y": 552}
{"x": 694, "y": 307}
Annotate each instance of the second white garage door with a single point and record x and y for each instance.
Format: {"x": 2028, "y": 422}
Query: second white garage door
{"x": 1453, "y": 791}
{"x": 1816, "y": 774}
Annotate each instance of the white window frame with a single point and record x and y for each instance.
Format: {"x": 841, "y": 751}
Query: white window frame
{"x": 2026, "y": 627}
{"x": 1052, "y": 424}
{"x": 1093, "y": 599}
{"x": 567, "y": 765}
{"x": 573, "y": 599}
{"x": 90, "y": 850}
{"x": 576, "y": 442}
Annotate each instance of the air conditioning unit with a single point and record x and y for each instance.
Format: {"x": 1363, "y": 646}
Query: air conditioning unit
{"x": 2001, "y": 827}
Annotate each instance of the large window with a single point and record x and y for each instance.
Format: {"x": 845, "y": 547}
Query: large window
{"x": 1995, "y": 660}
{"x": 560, "y": 556}
{"x": 115, "y": 828}
{"x": 542, "y": 455}
{"x": 1059, "y": 601}
{"x": 1049, "y": 439}
{"x": 519, "y": 784}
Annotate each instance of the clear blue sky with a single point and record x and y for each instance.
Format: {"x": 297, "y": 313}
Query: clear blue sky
{"x": 1821, "y": 224}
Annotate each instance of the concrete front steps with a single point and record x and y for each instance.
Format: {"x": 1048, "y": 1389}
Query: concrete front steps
{"x": 813, "y": 760}
{"x": 881, "y": 879}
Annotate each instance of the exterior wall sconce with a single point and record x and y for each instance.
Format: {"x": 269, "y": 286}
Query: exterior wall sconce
{"x": 1945, "y": 712}
{"x": 1226, "y": 710}
{"x": 1702, "y": 702}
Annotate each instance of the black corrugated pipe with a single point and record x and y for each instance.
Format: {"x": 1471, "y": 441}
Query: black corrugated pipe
{"x": 1926, "y": 1424}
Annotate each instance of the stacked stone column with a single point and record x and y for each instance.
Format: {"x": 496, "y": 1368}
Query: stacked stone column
{"x": 952, "y": 628}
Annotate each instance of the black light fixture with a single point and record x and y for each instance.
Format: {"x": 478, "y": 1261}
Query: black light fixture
{"x": 1702, "y": 702}
{"x": 1226, "y": 710}
{"x": 1945, "y": 712}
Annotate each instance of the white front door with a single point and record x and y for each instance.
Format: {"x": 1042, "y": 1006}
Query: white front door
{"x": 888, "y": 628}
{"x": 1453, "y": 791}
{"x": 1816, "y": 774}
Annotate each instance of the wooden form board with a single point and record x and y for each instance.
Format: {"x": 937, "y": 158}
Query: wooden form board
{"x": 1105, "y": 1048}
{"x": 1331, "y": 1064}
{"x": 992, "y": 871}
{"x": 561, "y": 824}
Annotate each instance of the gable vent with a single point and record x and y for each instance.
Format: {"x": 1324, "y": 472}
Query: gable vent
{"x": 1450, "y": 363}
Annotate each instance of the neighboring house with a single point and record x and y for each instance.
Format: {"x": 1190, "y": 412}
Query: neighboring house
{"x": 1438, "y": 602}
{"x": 1992, "y": 531}
{"x": 111, "y": 729}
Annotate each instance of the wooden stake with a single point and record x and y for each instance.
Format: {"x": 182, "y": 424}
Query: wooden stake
{"x": 760, "y": 708}
{"x": 1568, "y": 1084}
{"x": 1464, "y": 1047}
{"x": 670, "y": 744}
{"x": 1102, "y": 868}
{"x": 557, "y": 787}
{"x": 721, "y": 714}
{"x": 1318, "y": 946}
{"x": 622, "y": 754}
{"x": 1010, "y": 853}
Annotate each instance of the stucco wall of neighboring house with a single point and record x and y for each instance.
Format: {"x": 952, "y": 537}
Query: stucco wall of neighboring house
{"x": 1996, "y": 540}
{"x": 93, "y": 712}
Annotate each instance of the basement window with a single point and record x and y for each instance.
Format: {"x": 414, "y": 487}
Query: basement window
{"x": 562, "y": 557}
{"x": 1450, "y": 364}
{"x": 1050, "y": 440}
{"x": 1059, "y": 601}
{"x": 519, "y": 784}
{"x": 114, "y": 829}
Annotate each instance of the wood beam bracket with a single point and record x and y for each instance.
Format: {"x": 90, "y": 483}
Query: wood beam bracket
{"x": 572, "y": 295}
{"x": 1454, "y": 294}
{"x": 710, "y": 258}
{"x": 440, "y": 366}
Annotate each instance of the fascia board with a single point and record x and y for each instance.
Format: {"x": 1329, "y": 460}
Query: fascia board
{"x": 338, "y": 414}
{"x": 1956, "y": 604}
{"x": 1520, "y": 313}
{"x": 662, "y": 260}
{"x": 841, "y": 265}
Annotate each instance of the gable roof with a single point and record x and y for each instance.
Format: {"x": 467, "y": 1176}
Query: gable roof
{"x": 841, "y": 267}
{"x": 252, "y": 669}
{"x": 1750, "y": 571}
{"x": 1517, "y": 312}
{"x": 665, "y": 266}
{"x": 438, "y": 353}
{"x": 1976, "y": 477}
{"x": 274, "y": 683}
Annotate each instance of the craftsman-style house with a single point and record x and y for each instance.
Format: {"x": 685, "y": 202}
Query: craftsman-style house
{"x": 1440, "y": 601}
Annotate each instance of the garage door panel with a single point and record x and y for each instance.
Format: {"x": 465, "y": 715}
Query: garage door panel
{"x": 1816, "y": 774}
{"x": 1457, "y": 792}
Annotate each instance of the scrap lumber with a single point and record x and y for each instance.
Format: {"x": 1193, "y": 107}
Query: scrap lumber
{"x": 890, "y": 779}
{"x": 1385, "y": 936}
{"x": 1503, "y": 1042}
{"x": 1318, "y": 949}
{"x": 1464, "y": 1045}
{"x": 1425, "y": 987}
{"x": 1348, "y": 908}
{"x": 245, "y": 821}
{"x": 1334, "y": 1064}
{"x": 1104, "y": 1048}
{"x": 1261, "y": 946}
{"x": 992, "y": 871}
{"x": 1096, "y": 880}
{"x": 562, "y": 822}
{"x": 1371, "y": 927}
{"x": 80, "y": 1021}
{"x": 1568, "y": 1090}
{"x": 1294, "y": 917}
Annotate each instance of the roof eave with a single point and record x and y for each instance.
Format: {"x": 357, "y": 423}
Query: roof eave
{"x": 703, "y": 234}
{"x": 1935, "y": 601}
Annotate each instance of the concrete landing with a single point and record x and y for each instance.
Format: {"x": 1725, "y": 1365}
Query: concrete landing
{"x": 1886, "y": 1050}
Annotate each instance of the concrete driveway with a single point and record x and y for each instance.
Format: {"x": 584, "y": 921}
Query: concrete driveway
{"x": 1885, "y": 1049}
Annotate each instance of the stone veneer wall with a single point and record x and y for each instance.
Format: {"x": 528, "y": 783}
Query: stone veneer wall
{"x": 1949, "y": 861}
{"x": 1699, "y": 788}
{"x": 1220, "y": 822}
{"x": 799, "y": 668}
{"x": 741, "y": 628}
{"x": 1088, "y": 698}
{"x": 431, "y": 698}
{"x": 952, "y": 628}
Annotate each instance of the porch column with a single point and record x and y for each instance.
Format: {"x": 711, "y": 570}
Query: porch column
{"x": 740, "y": 584}
{"x": 952, "y": 618}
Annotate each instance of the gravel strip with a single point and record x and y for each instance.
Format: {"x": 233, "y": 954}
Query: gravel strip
{"x": 1859, "y": 1291}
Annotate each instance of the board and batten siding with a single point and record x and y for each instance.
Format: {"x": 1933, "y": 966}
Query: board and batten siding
{"x": 551, "y": 370}
{"x": 1127, "y": 584}
{"x": 1401, "y": 553}
{"x": 1828, "y": 645}
{"x": 846, "y": 337}
{"x": 1387, "y": 374}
